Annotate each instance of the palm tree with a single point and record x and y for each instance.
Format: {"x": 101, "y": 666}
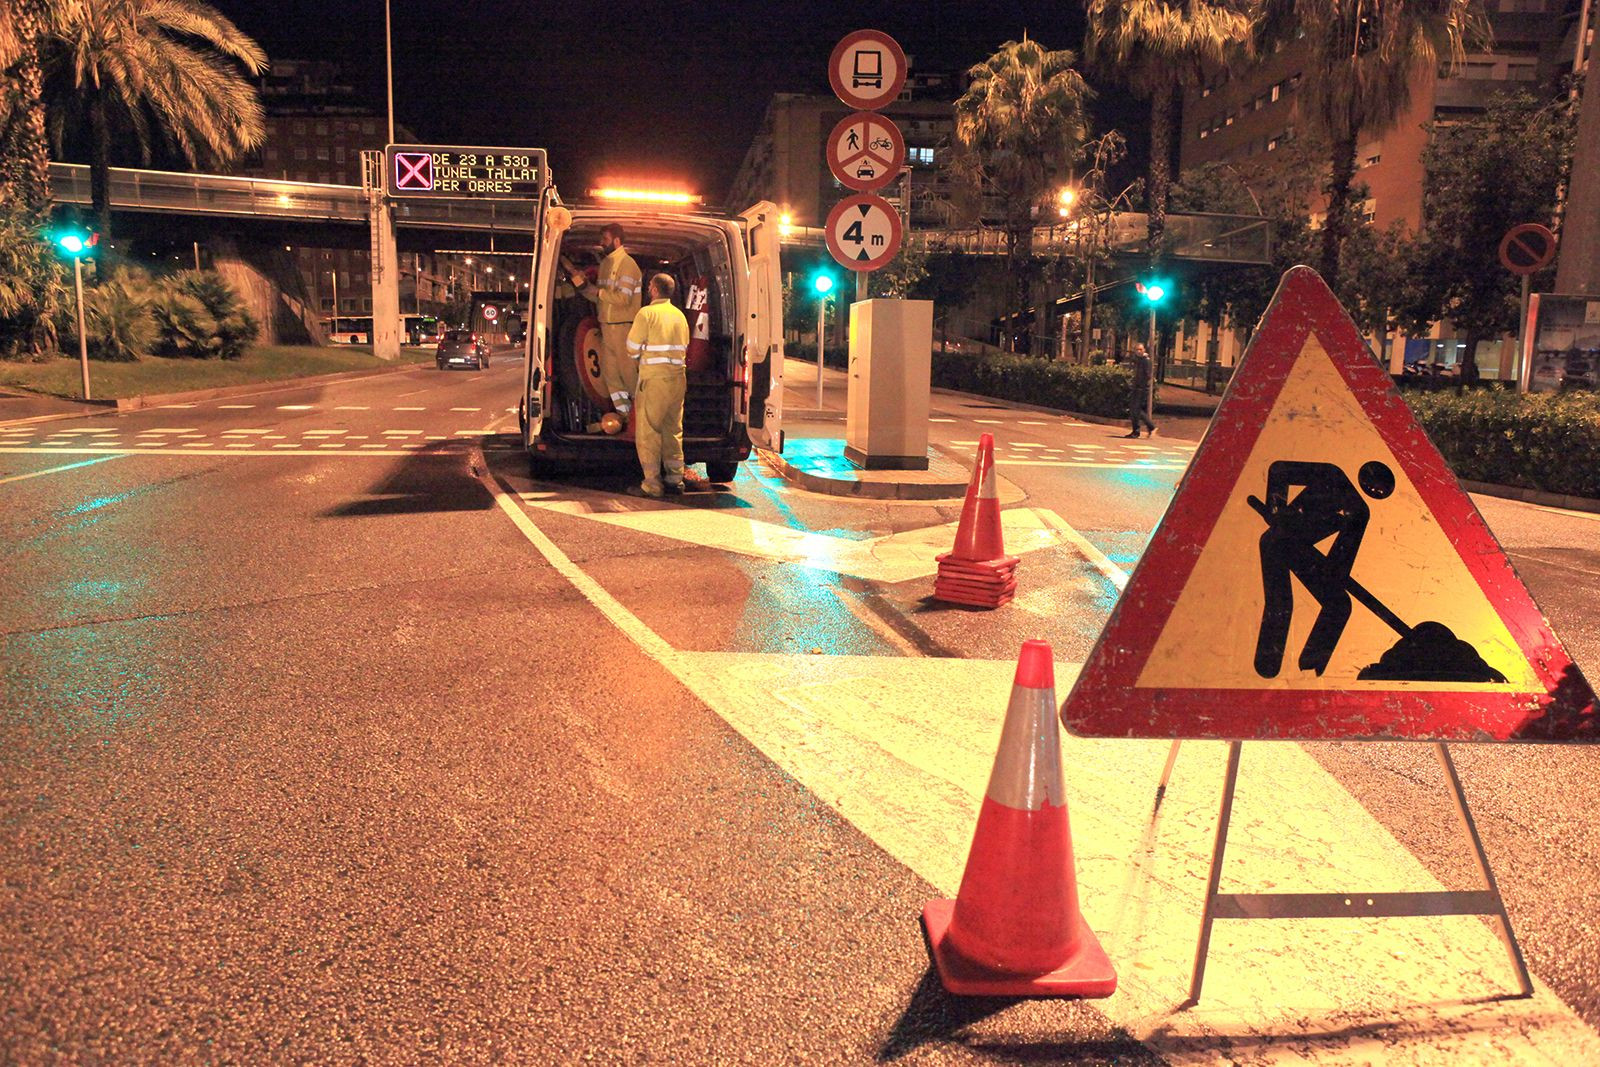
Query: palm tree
{"x": 1158, "y": 48}
{"x": 1362, "y": 58}
{"x": 1019, "y": 127}
{"x": 146, "y": 68}
{"x": 24, "y": 148}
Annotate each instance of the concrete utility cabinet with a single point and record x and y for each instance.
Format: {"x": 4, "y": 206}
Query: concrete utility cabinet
{"x": 891, "y": 356}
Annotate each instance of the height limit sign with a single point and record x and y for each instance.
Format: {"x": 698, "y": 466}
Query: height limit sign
{"x": 863, "y": 232}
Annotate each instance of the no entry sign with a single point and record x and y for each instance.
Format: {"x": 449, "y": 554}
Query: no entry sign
{"x": 867, "y": 69}
{"x": 450, "y": 171}
{"x": 1527, "y": 249}
{"x": 866, "y": 151}
{"x": 1320, "y": 575}
{"x": 863, "y": 232}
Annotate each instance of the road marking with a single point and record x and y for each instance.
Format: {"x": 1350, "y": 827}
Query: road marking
{"x": 238, "y": 433}
{"x": 941, "y": 420}
{"x": 1024, "y": 444}
{"x": 473, "y": 433}
{"x": 57, "y": 470}
{"x": 888, "y": 558}
{"x": 352, "y": 407}
{"x": 178, "y": 405}
{"x": 1025, "y": 422}
{"x": 437, "y": 437}
{"x": 466, "y": 409}
{"x": 294, "y": 407}
{"x": 235, "y": 407}
{"x": 402, "y": 433}
{"x": 69, "y": 433}
{"x": 411, "y": 409}
{"x": 988, "y": 422}
{"x": 902, "y": 747}
{"x": 169, "y": 429}
{"x": 325, "y": 433}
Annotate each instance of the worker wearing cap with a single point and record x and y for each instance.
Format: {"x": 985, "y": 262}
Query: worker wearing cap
{"x": 658, "y": 340}
{"x": 615, "y": 295}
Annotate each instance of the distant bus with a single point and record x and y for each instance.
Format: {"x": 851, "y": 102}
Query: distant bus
{"x": 357, "y": 329}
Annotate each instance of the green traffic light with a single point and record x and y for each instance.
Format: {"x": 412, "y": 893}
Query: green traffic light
{"x": 1154, "y": 292}
{"x": 822, "y": 283}
{"x": 71, "y": 242}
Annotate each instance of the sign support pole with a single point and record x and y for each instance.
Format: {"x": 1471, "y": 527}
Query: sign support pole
{"x": 83, "y": 334}
{"x": 1486, "y": 901}
{"x": 861, "y": 285}
{"x": 1523, "y": 376}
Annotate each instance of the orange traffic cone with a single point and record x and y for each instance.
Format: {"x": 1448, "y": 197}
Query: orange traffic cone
{"x": 1014, "y": 928}
{"x": 977, "y": 570}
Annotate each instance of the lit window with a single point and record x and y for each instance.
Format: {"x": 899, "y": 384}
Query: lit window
{"x": 1204, "y": 133}
{"x": 322, "y": 152}
{"x": 1277, "y": 90}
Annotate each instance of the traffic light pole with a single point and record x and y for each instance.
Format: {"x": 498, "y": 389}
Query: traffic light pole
{"x": 822, "y": 304}
{"x": 83, "y": 335}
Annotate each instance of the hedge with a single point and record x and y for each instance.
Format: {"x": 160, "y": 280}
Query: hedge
{"x": 1538, "y": 441}
{"x": 1031, "y": 380}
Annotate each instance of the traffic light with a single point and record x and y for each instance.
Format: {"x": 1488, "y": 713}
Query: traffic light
{"x": 822, "y": 282}
{"x": 1154, "y": 290}
{"x": 74, "y": 240}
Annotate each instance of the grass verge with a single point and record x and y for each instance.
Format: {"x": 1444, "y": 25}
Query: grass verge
{"x": 156, "y": 374}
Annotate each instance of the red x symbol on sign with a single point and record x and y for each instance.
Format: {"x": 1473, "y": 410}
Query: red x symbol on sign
{"x": 413, "y": 170}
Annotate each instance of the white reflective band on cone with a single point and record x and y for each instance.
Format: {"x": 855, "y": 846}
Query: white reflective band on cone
{"x": 1027, "y": 767}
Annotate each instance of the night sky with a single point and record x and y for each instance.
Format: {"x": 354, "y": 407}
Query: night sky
{"x": 656, "y": 90}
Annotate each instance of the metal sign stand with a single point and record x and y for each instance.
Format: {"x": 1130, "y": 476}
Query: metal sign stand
{"x": 1485, "y": 901}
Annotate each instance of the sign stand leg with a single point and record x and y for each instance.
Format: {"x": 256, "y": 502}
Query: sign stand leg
{"x": 1470, "y": 828}
{"x": 1486, "y": 901}
{"x": 1166, "y": 772}
{"x": 1208, "y": 916}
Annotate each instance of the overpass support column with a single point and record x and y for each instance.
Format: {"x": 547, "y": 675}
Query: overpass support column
{"x": 385, "y": 261}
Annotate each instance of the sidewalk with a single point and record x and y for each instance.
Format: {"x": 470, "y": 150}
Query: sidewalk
{"x": 17, "y": 406}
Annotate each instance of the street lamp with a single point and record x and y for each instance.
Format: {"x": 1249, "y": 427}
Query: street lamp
{"x": 822, "y": 282}
{"x": 78, "y": 242}
{"x": 1065, "y": 199}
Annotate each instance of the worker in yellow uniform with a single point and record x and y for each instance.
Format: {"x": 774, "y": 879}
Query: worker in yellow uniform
{"x": 658, "y": 340}
{"x": 615, "y": 295}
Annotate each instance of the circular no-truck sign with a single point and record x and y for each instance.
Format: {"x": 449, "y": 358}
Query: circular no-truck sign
{"x": 1527, "y": 249}
{"x": 867, "y": 69}
{"x": 863, "y": 232}
{"x": 866, "y": 151}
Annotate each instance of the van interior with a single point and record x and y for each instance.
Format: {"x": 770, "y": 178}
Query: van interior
{"x": 695, "y": 252}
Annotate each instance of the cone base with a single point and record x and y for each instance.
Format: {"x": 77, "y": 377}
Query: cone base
{"x": 991, "y": 565}
{"x": 1087, "y": 973}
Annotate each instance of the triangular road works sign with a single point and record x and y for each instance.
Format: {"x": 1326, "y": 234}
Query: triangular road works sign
{"x": 1321, "y": 575}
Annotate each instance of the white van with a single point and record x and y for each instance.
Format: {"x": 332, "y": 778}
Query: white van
{"x": 730, "y": 289}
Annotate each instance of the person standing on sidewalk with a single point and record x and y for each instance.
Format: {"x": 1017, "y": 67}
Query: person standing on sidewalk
{"x": 1139, "y": 394}
{"x": 658, "y": 340}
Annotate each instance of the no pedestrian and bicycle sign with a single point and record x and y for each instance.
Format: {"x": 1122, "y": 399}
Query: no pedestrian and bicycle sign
{"x": 863, "y": 232}
{"x": 1321, "y": 575}
{"x": 451, "y": 171}
{"x": 866, "y": 151}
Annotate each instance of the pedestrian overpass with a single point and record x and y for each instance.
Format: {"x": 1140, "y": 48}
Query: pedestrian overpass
{"x": 1222, "y": 239}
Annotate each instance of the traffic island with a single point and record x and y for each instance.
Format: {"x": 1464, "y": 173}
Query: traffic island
{"x": 819, "y": 464}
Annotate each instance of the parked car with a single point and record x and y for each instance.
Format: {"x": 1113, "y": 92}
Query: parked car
{"x": 462, "y": 348}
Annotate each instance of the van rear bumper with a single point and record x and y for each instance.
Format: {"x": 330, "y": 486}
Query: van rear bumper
{"x": 596, "y": 452}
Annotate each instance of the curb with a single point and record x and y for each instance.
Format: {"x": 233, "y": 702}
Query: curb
{"x": 860, "y": 490}
{"x": 1532, "y": 496}
{"x": 1103, "y": 420}
{"x": 150, "y": 400}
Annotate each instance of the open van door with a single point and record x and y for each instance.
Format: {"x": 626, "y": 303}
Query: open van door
{"x": 763, "y": 334}
{"x": 554, "y": 221}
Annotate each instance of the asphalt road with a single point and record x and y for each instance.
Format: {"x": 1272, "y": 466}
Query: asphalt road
{"x": 312, "y": 753}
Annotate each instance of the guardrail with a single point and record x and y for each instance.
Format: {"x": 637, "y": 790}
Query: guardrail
{"x": 184, "y": 193}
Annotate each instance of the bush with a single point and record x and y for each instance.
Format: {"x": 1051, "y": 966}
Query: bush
{"x": 185, "y": 327}
{"x": 234, "y": 326}
{"x": 1537, "y": 441}
{"x": 1032, "y": 380}
{"x": 33, "y": 291}
{"x": 118, "y": 316}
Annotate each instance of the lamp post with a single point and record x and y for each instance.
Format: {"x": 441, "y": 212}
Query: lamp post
{"x": 388, "y": 62}
{"x": 823, "y": 284}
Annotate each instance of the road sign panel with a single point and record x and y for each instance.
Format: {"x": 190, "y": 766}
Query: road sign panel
{"x": 866, "y": 151}
{"x": 863, "y": 232}
{"x": 867, "y": 69}
{"x": 1527, "y": 249}
{"x": 1321, "y": 575}
{"x": 450, "y": 171}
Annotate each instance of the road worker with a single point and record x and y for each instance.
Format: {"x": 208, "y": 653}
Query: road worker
{"x": 615, "y": 293}
{"x": 658, "y": 340}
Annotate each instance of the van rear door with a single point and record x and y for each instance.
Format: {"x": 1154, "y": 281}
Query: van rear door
{"x": 553, "y": 221}
{"x": 763, "y": 334}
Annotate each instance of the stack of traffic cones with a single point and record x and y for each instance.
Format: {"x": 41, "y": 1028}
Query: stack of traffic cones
{"x": 977, "y": 571}
{"x": 1014, "y": 928}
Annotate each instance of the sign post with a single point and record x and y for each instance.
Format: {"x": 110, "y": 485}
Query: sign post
{"x": 1407, "y": 622}
{"x": 1526, "y": 250}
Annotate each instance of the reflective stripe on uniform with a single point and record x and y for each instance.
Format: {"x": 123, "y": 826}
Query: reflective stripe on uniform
{"x": 663, "y": 359}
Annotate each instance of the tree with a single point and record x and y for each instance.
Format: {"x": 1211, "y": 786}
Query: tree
{"x": 24, "y": 147}
{"x": 1019, "y": 127}
{"x": 1362, "y": 59}
{"x": 142, "y": 69}
{"x": 1485, "y": 175}
{"x": 1158, "y": 48}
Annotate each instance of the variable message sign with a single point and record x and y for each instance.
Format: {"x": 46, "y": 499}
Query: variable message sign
{"x": 451, "y": 171}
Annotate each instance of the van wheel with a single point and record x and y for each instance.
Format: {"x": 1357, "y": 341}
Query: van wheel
{"x": 723, "y": 471}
